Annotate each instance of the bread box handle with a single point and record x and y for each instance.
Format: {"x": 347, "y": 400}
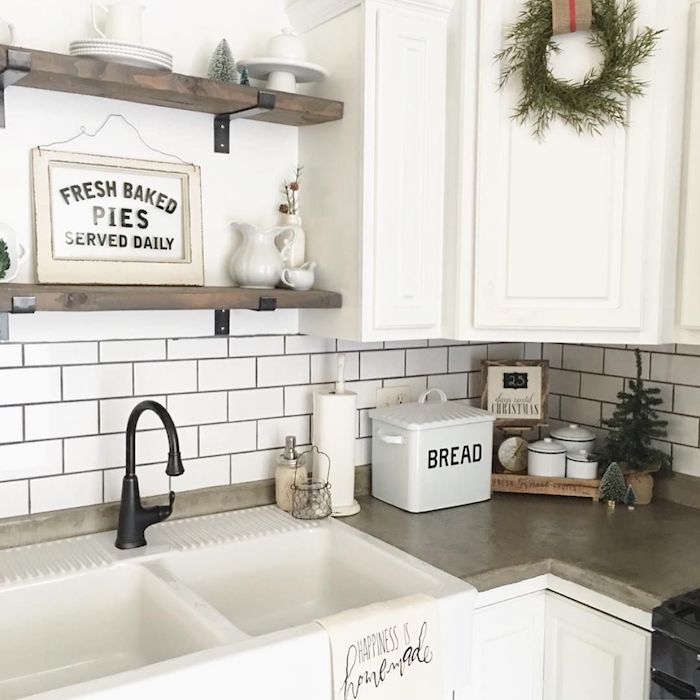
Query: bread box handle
{"x": 424, "y": 396}
{"x": 391, "y": 439}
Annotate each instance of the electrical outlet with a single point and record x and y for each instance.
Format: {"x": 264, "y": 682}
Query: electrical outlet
{"x": 393, "y": 395}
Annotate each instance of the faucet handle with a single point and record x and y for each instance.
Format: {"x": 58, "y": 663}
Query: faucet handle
{"x": 164, "y": 512}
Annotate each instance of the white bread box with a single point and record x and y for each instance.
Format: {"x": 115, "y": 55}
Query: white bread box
{"x": 431, "y": 455}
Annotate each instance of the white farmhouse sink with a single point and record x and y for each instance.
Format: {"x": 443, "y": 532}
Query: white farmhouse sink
{"x": 61, "y": 632}
{"x": 212, "y": 602}
{"x": 284, "y": 580}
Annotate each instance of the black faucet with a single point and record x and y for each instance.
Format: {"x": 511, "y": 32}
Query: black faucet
{"x": 133, "y": 517}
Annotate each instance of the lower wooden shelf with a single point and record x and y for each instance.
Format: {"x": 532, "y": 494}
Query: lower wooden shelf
{"x": 545, "y": 486}
{"x": 49, "y": 297}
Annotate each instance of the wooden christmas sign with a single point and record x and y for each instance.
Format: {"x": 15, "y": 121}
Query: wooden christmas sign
{"x": 105, "y": 220}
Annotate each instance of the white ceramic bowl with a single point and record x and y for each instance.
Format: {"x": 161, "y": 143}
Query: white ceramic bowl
{"x": 546, "y": 458}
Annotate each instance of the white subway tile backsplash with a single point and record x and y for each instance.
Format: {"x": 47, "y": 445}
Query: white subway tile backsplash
{"x": 97, "y": 381}
{"x": 600, "y": 387}
{"x": 255, "y": 403}
{"x": 324, "y": 368}
{"x": 204, "y": 473}
{"x": 387, "y": 363}
{"x": 65, "y": 491}
{"x": 165, "y": 377}
{"x": 554, "y": 353}
{"x": 476, "y": 385}
{"x": 28, "y": 459}
{"x": 283, "y": 371}
{"x": 299, "y": 399}
{"x": 426, "y": 361}
{"x": 114, "y": 413}
{"x": 403, "y": 344}
{"x": 366, "y": 392}
{"x": 363, "y": 451}
{"x": 580, "y": 411}
{"x": 456, "y": 386}
{"x": 351, "y": 345}
{"x": 254, "y": 346}
{"x": 131, "y": 350}
{"x": 194, "y": 409}
{"x": 677, "y": 369}
{"x": 271, "y": 432}
{"x": 686, "y": 460}
{"x": 416, "y": 385}
{"x": 36, "y": 385}
{"x": 621, "y": 363}
{"x": 56, "y": 420}
{"x": 237, "y": 373}
{"x": 227, "y": 438}
{"x": 189, "y": 348}
{"x": 59, "y": 354}
{"x": 505, "y": 351}
{"x": 687, "y": 400}
{"x": 364, "y": 423}
{"x": 298, "y": 344}
{"x": 11, "y": 424}
{"x": 683, "y": 430}
{"x": 10, "y": 355}
{"x": 683, "y": 349}
{"x": 583, "y": 358}
{"x": 253, "y": 466}
{"x": 466, "y": 358}
{"x": 564, "y": 382}
{"x": 14, "y": 498}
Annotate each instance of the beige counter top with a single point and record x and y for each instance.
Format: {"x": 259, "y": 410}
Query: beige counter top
{"x": 638, "y": 557}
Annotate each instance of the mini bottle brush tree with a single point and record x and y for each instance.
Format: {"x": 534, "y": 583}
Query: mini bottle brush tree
{"x": 4, "y": 259}
{"x": 222, "y": 67}
{"x": 633, "y": 426}
{"x": 613, "y": 488}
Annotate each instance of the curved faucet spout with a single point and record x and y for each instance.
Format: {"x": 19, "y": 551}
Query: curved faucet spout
{"x": 133, "y": 517}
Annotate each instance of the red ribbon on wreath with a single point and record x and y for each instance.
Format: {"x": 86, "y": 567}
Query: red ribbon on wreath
{"x": 571, "y": 16}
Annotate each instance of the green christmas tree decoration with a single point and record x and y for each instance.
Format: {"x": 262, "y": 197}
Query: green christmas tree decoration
{"x": 245, "y": 78}
{"x": 222, "y": 67}
{"x": 633, "y": 426}
{"x": 612, "y": 485}
{"x": 630, "y": 498}
{"x": 4, "y": 259}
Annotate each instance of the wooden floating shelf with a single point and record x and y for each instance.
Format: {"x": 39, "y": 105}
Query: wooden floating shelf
{"x": 91, "y": 76}
{"x": 137, "y": 298}
{"x": 545, "y": 486}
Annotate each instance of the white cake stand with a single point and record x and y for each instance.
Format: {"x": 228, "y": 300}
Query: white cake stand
{"x": 281, "y": 73}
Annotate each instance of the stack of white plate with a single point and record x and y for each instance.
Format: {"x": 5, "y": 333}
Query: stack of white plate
{"x": 123, "y": 52}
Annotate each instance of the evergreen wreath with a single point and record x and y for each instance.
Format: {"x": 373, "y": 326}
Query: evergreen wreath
{"x": 600, "y": 98}
{"x": 4, "y": 259}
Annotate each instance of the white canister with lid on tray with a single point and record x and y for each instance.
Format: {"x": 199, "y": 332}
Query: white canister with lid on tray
{"x": 546, "y": 458}
{"x": 581, "y": 465}
{"x": 574, "y": 438}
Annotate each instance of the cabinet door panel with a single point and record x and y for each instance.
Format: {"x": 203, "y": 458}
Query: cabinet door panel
{"x": 407, "y": 108}
{"x": 565, "y": 227}
{"x": 508, "y": 650}
{"x": 592, "y": 656}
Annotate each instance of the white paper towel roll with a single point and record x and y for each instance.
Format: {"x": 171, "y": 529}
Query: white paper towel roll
{"x": 334, "y": 430}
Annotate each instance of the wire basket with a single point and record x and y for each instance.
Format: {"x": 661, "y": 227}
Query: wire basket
{"x": 311, "y": 500}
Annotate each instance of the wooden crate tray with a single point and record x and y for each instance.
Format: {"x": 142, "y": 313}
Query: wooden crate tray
{"x": 545, "y": 486}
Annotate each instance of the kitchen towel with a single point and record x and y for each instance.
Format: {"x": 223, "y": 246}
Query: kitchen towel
{"x": 387, "y": 651}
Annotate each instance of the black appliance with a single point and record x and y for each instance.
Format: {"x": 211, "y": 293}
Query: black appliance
{"x": 675, "y": 648}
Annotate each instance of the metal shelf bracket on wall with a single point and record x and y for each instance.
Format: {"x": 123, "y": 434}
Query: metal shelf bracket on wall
{"x": 20, "y": 305}
{"x": 222, "y": 317}
{"x": 222, "y": 122}
{"x": 18, "y": 64}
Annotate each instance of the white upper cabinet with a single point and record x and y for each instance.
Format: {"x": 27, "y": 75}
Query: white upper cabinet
{"x": 572, "y": 238}
{"x": 375, "y": 180}
{"x": 688, "y": 308}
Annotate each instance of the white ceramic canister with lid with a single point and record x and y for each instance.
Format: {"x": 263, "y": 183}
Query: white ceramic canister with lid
{"x": 546, "y": 458}
{"x": 580, "y": 465}
{"x": 574, "y": 438}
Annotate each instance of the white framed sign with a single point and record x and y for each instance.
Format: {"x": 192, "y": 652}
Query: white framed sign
{"x": 107, "y": 220}
{"x": 516, "y": 392}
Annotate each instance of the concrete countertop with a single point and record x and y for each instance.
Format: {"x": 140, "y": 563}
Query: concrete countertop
{"x": 640, "y": 557}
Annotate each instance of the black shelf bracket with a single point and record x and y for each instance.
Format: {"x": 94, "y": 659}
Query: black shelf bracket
{"x": 222, "y": 322}
{"x": 19, "y": 63}
{"x": 222, "y": 122}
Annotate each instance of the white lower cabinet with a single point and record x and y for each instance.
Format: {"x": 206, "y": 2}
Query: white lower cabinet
{"x": 543, "y": 646}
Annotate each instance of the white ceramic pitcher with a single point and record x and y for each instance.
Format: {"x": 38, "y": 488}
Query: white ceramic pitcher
{"x": 7, "y": 32}
{"x": 258, "y": 263}
{"x": 123, "y": 21}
